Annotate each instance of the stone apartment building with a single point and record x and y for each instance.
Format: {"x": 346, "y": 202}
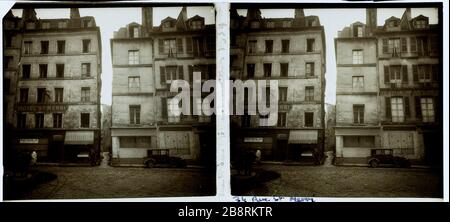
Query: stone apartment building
{"x": 402, "y": 111}
{"x": 146, "y": 59}
{"x": 56, "y": 109}
{"x": 292, "y": 52}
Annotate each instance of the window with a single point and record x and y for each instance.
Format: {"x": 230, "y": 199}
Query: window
{"x": 287, "y": 24}
{"x": 393, "y": 23}
{"x": 62, "y": 25}
{"x": 170, "y": 46}
{"x": 198, "y": 43}
{"x": 86, "y": 23}
{"x": 21, "y": 120}
{"x": 309, "y": 69}
{"x": 267, "y": 69}
{"x": 358, "y": 31}
{"x": 39, "y": 120}
{"x": 422, "y": 46}
{"x": 86, "y": 45}
{"x": 31, "y": 25}
{"x": 44, "y": 47}
{"x": 133, "y": 57}
{"x": 270, "y": 25}
{"x": 359, "y": 141}
{"x": 8, "y": 61}
{"x": 135, "y": 142}
{"x": 61, "y": 47}
{"x": 57, "y": 120}
{"x": 168, "y": 24}
{"x": 397, "y": 109}
{"x": 284, "y": 69}
{"x": 309, "y": 93}
{"x": 254, "y": 25}
{"x": 135, "y": 114}
{"x": 45, "y": 25}
{"x": 85, "y": 121}
{"x": 59, "y": 95}
{"x": 26, "y": 71}
{"x": 252, "y": 47}
{"x": 285, "y": 45}
{"x": 394, "y": 46}
{"x": 427, "y": 108}
{"x": 171, "y": 73}
{"x": 250, "y": 70}
{"x": 309, "y": 119}
{"x": 173, "y": 108}
{"x": 85, "y": 94}
{"x": 424, "y": 73}
{"x": 358, "y": 114}
{"x": 358, "y": 56}
{"x": 282, "y": 94}
{"x": 420, "y": 24}
{"x": 310, "y": 47}
{"x": 59, "y": 70}
{"x": 395, "y": 75}
{"x": 23, "y": 95}
{"x": 269, "y": 46}
{"x": 42, "y": 70}
{"x": 85, "y": 69}
{"x": 246, "y": 120}
{"x": 41, "y": 95}
{"x": 281, "y": 120}
{"x": 28, "y": 47}
{"x": 134, "y": 83}
{"x": 358, "y": 82}
{"x": 134, "y": 32}
{"x": 196, "y": 25}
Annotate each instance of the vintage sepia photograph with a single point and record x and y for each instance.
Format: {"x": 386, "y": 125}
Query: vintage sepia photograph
{"x": 87, "y": 109}
{"x": 358, "y": 100}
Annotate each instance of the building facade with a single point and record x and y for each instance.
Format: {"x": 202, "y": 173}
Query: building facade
{"x": 290, "y": 51}
{"x": 402, "y": 90}
{"x": 146, "y": 60}
{"x": 357, "y": 128}
{"x": 57, "y": 102}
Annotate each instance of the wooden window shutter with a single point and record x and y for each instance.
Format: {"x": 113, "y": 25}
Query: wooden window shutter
{"x": 413, "y": 44}
{"x": 386, "y": 74}
{"x": 160, "y": 46}
{"x": 407, "y": 108}
{"x": 385, "y": 46}
{"x": 189, "y": 45}
{"x": 435, "y": 72}
{"x": 404, "y": 45}
{"x": 180, "y": 72}
{"x": 405, "y": 74}
{"x": 418, "y": 107}
{"x": 388, "y": 107}
{"x": 179, "y": 45}
{"x": 162, "y": 72}
{"x": 164, "y": 107}
{"x": 415, "y": 73}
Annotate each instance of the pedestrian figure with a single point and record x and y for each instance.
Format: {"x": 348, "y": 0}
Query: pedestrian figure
{"x": 258, "y": 156}
{"x": 33, "y": 158}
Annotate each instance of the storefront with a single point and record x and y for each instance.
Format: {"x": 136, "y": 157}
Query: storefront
{"x": 303, "y": 144}
{"x": 79, "y": 147}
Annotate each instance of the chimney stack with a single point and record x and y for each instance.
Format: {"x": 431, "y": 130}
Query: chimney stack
{"x": 299, "y": 13}
{"x": 147, "y": 19}
{"x": 29, "y": 14}
{"x": 371, "y": 20}
{"x": 74, "y": 13}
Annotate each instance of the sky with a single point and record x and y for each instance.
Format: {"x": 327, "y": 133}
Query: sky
{"x": 333, "y": 21}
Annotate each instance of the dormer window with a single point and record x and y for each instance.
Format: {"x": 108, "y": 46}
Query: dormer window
{"x": 393, "y": 23}
{"x": 45, "y": 25}
{"x": 357, "y": 31}
{"x": 254, "y": 25}
{"x": 286, "y": 24}
{"x": 420, "y": 24}
{"x": 31, "y": 25}
{"x": 195, "y": 25}
{"x": 86, "y": 23}
{"x": 134, "y": 32}
{"x": 62, "y": 25}
{"x": 270, "y": 25}
{"x": 168, "y": 24}
{"x": 311, "y": 22}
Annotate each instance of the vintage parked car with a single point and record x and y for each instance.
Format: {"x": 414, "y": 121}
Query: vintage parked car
{"x": 161, "y": 158}
{"x": 380, "y": 157}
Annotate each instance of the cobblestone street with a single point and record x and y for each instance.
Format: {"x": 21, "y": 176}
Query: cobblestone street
{"x": 120, "y": 182}
{"x": 331, "y": 181}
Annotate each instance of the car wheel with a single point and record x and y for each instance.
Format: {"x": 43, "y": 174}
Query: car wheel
{"x": 374, "y": 163}
{"x": 150, "y": 163}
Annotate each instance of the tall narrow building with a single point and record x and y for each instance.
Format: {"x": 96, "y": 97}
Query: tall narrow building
{"x": 146, "y": 60}
{"x": 57, "y": 107}
{"x": 292, "y": 52}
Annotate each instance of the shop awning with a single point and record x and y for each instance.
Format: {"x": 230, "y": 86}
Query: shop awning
{"x": 303, "y": 137}
{"x": 79, "y": 138}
